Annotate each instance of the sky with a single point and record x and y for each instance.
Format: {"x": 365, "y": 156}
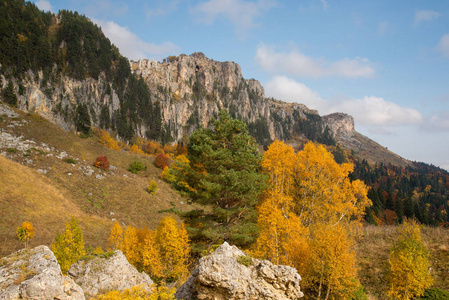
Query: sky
{"x": 384, "y": 62}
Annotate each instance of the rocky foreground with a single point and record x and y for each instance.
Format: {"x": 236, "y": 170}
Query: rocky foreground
{"x": 227, "y": 273}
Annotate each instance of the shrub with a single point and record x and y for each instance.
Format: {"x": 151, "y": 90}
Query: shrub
{"x": 102, "y": 162}
{"x": 435, "y": 294}
{"x": 152, "y": 187}
{"x": 11, "y": 150}
{"x": 161, "y": 161}
{"x": 167, "y": 175}
{"x": 70, "y": 161}
{"x": 245, "y": 260}
{"x": 25, "y": 232}
{"x": 137, "y": 166}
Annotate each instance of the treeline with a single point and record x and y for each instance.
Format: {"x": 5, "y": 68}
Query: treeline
{"x": 418, "y": 192}
{"x": 71, "y": 45}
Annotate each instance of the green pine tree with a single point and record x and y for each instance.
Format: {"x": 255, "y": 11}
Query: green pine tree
{"x": 224, "y": 174}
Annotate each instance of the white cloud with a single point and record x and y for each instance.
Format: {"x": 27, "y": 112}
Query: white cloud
{"x": 287, "y": 89}
{"x": 44, "y": 5}
{"x": 297, "y": 64}
{"x": 371, "y": 110}
{"x": 443, "y": 45}
{"x": 240, "y": 13}
{"x": 131, "y": 45}
{"x": 425, "y": 15}
{"x": 162, "y": 8}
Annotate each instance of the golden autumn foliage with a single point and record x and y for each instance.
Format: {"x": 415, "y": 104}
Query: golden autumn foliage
{"x": 25, "y": 232}
{"x": 162, "y": 254}
{"x": 304, "y": 218}
{"x": 408, "y": 275}
{"x": 332, "y": 272}
{"x": 106, "y": 139}
{"x": 116, "y": 236}
{"x": 69, "y": 246}
{"x": 139, "y": 293}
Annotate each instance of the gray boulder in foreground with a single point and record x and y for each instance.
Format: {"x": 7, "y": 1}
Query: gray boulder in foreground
{"x": 220, "y": 276}
{"x": 35, "y": 274}
{"x": 104, "y": 274}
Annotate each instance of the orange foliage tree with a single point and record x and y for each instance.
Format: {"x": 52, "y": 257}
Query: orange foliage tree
{"x": 25, "y": 232}
{"x": 309, "y": 192}
{"x": 163, "y": 253}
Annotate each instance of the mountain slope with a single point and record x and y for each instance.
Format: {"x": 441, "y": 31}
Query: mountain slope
{"x": 41, "y": 185}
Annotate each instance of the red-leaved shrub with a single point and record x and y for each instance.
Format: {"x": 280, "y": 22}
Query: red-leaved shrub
{"x": 161, "y": 161}
{"x": 102, "y": 162}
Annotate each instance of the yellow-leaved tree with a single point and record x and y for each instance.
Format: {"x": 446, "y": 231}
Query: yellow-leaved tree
{"x": 331, "y": 272}
{"x": 69, "y": 246}
{"x": 163, "y": 253}
{"x": 130, "y": 245}
{"x": 408, "y": 276}
{"x": 172, "y": 243}
{"x": 323, "y": 191}
{"x": 116, "y": 237}
{"x": 25, "y": 232}
{"x": 311, "y": 196}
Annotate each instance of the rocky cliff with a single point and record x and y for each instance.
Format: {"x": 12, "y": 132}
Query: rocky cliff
{"x": 35, "y": 274}
{"x": 192, "y": 89}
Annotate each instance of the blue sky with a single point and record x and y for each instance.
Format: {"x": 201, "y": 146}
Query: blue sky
{"x": 386, "y": 63}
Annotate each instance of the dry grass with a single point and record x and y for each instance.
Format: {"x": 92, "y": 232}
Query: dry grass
{"x": 373, "y": 250}
{"x": 51, "y": 199}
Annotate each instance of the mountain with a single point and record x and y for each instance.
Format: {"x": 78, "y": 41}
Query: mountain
{"x": 66, "y": 70}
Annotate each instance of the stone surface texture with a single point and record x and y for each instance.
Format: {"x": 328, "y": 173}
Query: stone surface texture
{"x": 35, "y": 274}
{"x": 104, "y": 274}
{"x": 221, "y": 276}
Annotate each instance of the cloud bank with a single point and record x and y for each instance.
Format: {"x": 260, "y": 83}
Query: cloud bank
{"x": 300, "y": 65}
{"x": 131, "y": 45}
{"x": 369, "y": 110}
{"x": 240, "y": 13}
{"x": 425, "y": 15}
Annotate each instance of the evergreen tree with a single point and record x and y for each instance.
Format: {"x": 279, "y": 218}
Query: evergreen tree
{"x": 224, "y": 172}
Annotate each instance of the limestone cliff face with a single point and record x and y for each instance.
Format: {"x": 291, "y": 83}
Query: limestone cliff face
{"x": 340, "y": 124}
{"x": 193, "y": 89}
{"x": 57, "y": 100}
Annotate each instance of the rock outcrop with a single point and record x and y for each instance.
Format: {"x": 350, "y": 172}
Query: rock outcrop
{"x": 228, "y": 274}
{"x": 104, "y": 274}
{"x": 35, "y": 274}
{"x": 340, "y": 124}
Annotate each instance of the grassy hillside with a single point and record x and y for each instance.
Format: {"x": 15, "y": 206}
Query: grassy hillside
{"x": 373, "y": 250}
{"x": 39, "y": 185}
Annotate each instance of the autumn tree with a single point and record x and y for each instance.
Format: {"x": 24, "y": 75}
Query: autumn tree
{"x": 25, "y": 232}
{"x": 332, "y": 272}
{"x": 69, "y": 246}
{"x": 172, "y": 244}
{"x": 224, "y": 173}
{"x": 130, "y": 245}
{"x": 323, "y": 191}
{"x": 310, "y": 200}
{"x": 116, "y": 236}
{"x": 408, "y": 275}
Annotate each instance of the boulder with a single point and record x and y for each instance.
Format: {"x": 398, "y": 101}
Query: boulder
{"x": 35, "y": 274}
{"x": 228, "y": 273}
{"x": 104, "y": 274}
